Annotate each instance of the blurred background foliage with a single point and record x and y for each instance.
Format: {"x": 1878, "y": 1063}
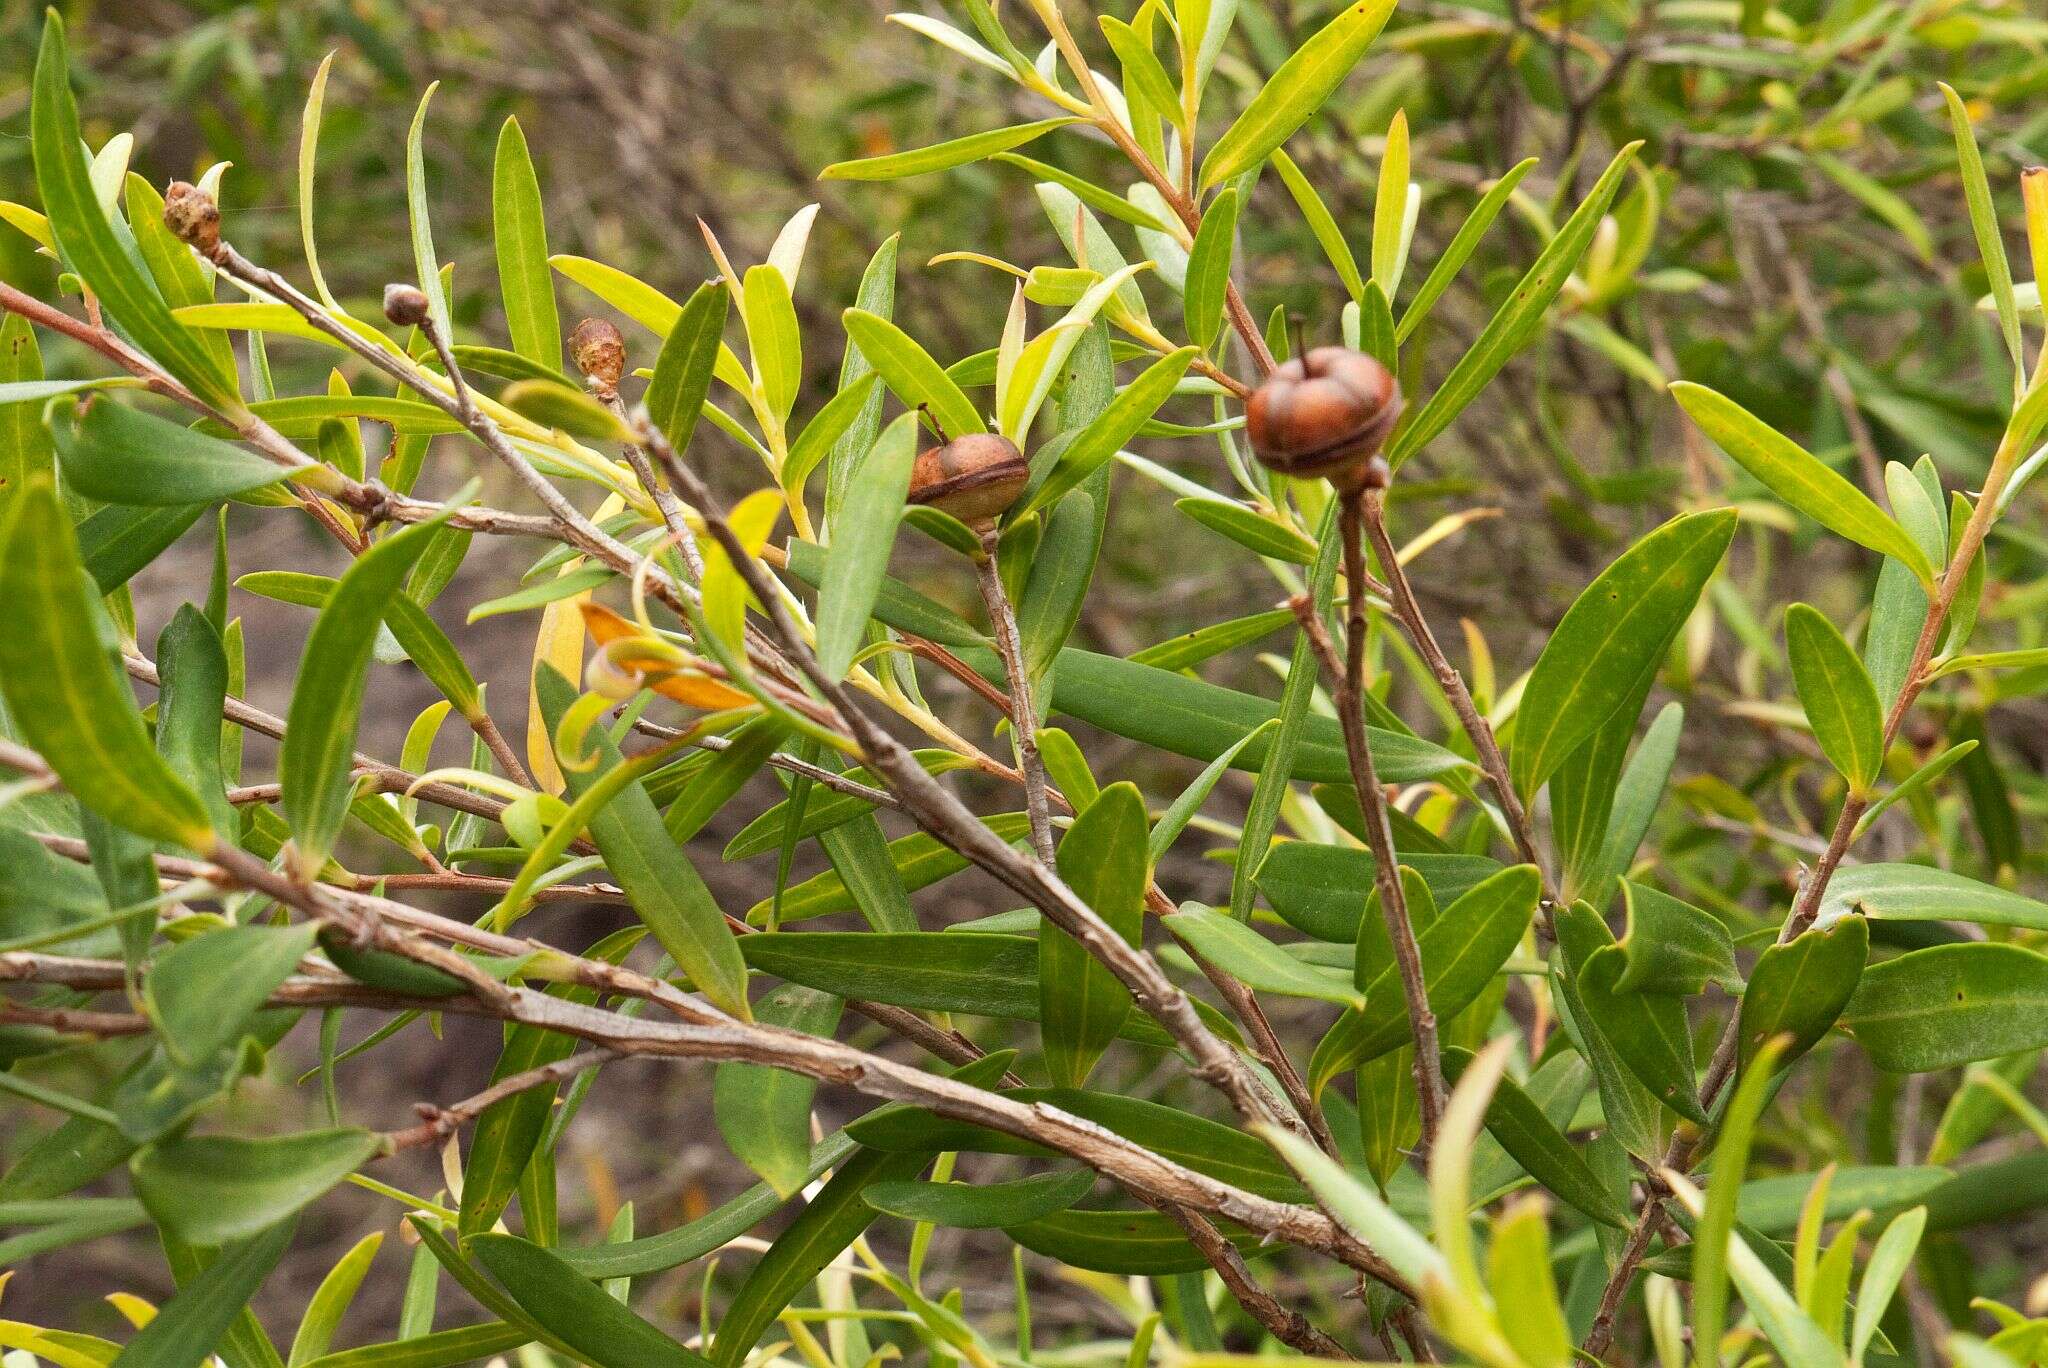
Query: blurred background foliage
{"x": 1796, "y": 238}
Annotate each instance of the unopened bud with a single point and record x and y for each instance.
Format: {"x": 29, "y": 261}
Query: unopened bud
{"x": 599, "y": 351}
{"x": 405, "y": 305}
{"x": 192, "y": 217}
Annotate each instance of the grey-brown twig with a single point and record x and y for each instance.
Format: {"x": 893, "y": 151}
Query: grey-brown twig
{"x": 1023, "y": 712}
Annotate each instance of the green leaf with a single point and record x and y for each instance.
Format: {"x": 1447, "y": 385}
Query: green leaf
{"x": 909, "y": 370}
{"x": 1517, "y": 323}
{"x": 661, "y": 883}
{"x": 192, "y": 1324}
{"x": 982, "y": 1206}
{"x": 1361, "y": 1211}
{"x": 1103, "y": 859}
{"x": 115, "y": 543}
{"x": 630, "y": 295}
{"x": 943, "y": 156}
{"x": 425, "y": 263}
{"x": 765, "y": 1114}
{"x": 1518, "y": 1123}
{"x": 1184, "y": 716}
{"x": 1256, "y": 961}
{"x": 1838, "y": 696}
{"x": 318, "y": 752}
{"x": 1469, "y": 235}
{"x": 1130, "y": 1243}
{"x": 1949, "y": 1005}
{"x": 829, "y": 1223}
{"x": 1256, "y": 533}
{"x": 983, "y": 973}
{"x": 920, "y": 860}
{"x": 519, "y": 232}
{"x": 440, "y": 1349}
{"x": 1636, "y": 799}
{"x": 601, "y": 1330}
{"x": 1461, "y": 952}
{"x": 773, "y": 336}
{"x": 1320, "y": 222}
{"x": 898, "y": 605}
{"x": 176, "y": 270}
{"x": 1612, "y": 639}
{"x": 1799, "y": 478}
{"x": 1671, "y": 947}
{"x": 1208, "y": 276}
{"x": 87, "y": 241}
{"x": 1984, "y": 223}
{"x": 1911, "y": 892}
{"x": 1648, "y": 1031}
{"x": 1882, "y": 1275}
{"x": 862, "y": 539}
{"x": 193, "y": 667}
{"x": 1062, "y": 568}
{"x": 60, "y": 686}
{"x": 203, "y": 992}
{"x": 416, "y": 632}
{"x": 214, "y": 1189}
{"x": 1800, "y": 987}
{"x": 1633, "y": 1116}
{"x": 1182, "y": 809}
{"x": 1296, "y": 91}
{"x": 556, "y": 404}
{"x": 1321, "y": 890}
{"x": 25, "y": 446}
{"x": 827, "y": 426}
{"x": 1116, "y": 425}
{"x": 1714, "y": 1238}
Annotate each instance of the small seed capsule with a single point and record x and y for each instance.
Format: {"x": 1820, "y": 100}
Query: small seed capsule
{"x": 975, "y": 478}
{"x": 599, "y": 350}
{"x": 405, "y": 305}
{"x": 1326, "y": 414}
{"x": 192, "y": 216}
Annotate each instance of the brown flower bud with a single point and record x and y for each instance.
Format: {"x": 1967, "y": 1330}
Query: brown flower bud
{"x": 975, "y": 478}
{"x": 1326, "y": 414}
{"x": 192, "y": 217}
{"x": 599, "y": 351}
{"x": 405, "y": 305}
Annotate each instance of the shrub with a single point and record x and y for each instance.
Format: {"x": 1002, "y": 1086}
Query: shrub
{"x": 1480, "y": 1125}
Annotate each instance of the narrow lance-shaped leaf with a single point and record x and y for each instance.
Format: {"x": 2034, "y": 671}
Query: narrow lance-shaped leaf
{"x": 765, "y": 1114}
{"x": 318, "y": 752}
{"x": 1208, "y": 276}
{"x": 861, "y": 542}
{"x": 58, "y": 678}
{"x": 520, "y": 235}
{"x": 213, "y": 1189}
{"x": 1103, "y": 859}
{"x": 1612, "y": 640}
{"x": 86, "y": 240}
{"x": 424, "y": 261}
{"x": 1798, "y": 989}
{"x": 1799, "y": 477}
{"x": 943, "y": 156}
{"x": 602, "y": 1331}
{"x": 191, "y": 1325}
{"x": 121, "y": 455}
{"x": 909, "y": 370}
{"x": 1984, "y": 223}
{"x": 660, "y": 882}
{"x": 1295, "y": 91}
{"x": 1518, "y": 321}
{"x": 1839, "y": 699}
{"x": 1949, "y": 1005}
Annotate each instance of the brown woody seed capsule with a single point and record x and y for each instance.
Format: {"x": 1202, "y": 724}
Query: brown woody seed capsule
{"x": 1326, "y": 414}
{"x": 405, "y": 305}
{"x": 975, "y": 478}
{"x": 599, "y": 351}
{"x": 192, "y": 217}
